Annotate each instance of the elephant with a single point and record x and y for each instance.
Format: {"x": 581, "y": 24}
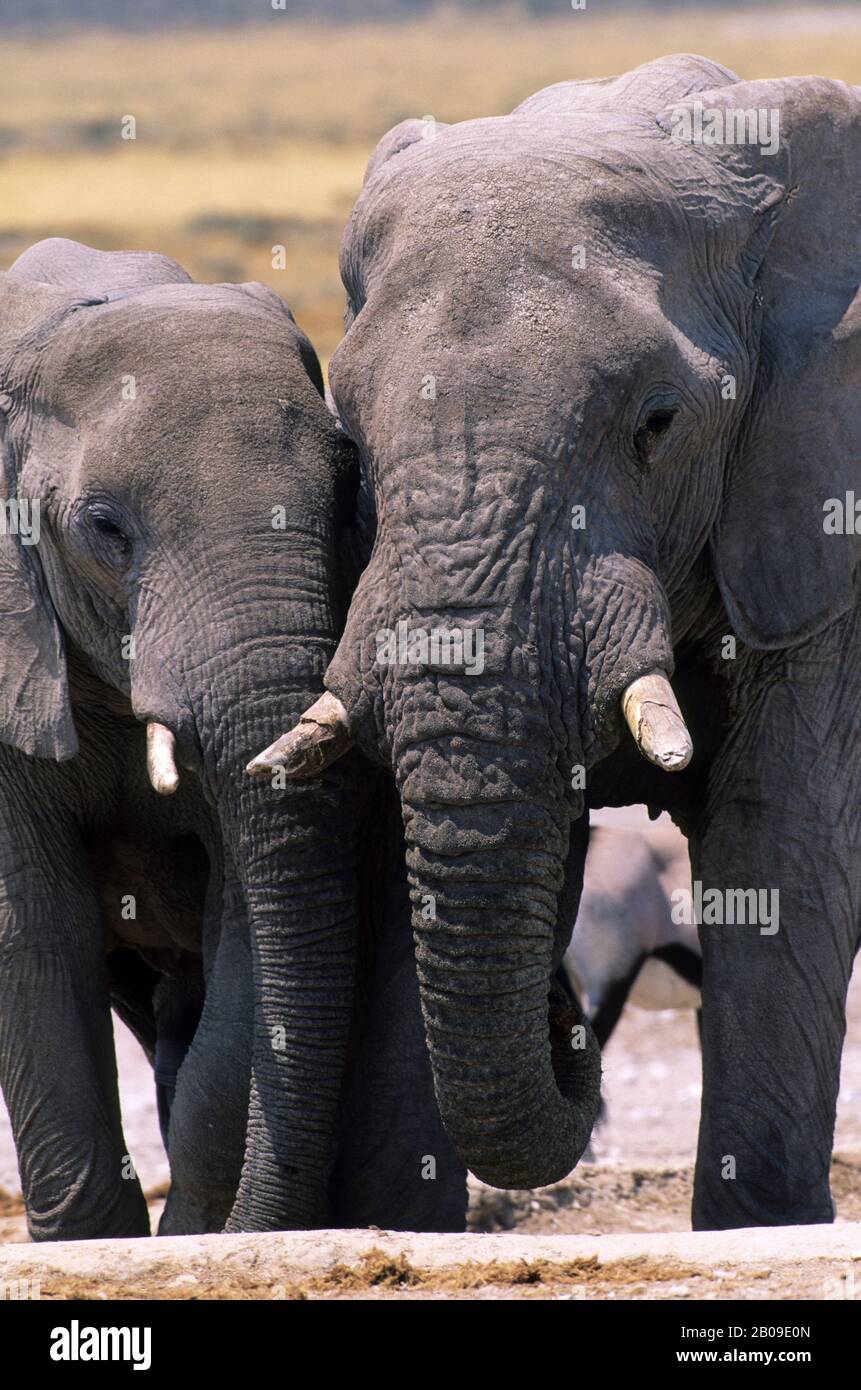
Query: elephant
{"x": 181, "y": 593}
{"x": 627, "y": 944}
{"x": 602, "y": 363}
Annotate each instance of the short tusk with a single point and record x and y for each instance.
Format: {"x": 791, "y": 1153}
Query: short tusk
{"x": 652, "y": 714}
{"x": 321, "y": 736}
{"x": 160, "y": 761}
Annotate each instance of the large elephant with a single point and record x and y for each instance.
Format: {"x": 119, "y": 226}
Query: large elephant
{"x": 603, "y": 364}
{"x": 192, "y": 563}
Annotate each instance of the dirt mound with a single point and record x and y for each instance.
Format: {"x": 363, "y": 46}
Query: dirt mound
{"x": 787, "y": 1262}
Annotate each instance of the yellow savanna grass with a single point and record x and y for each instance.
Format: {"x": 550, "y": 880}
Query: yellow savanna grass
{"x": 259, "y": 136}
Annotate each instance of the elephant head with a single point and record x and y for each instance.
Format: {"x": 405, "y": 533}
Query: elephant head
{"x": 600, "y": 367}
{"x": 189, "y": 490}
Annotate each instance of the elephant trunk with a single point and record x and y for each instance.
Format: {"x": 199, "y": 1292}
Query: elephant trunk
{"x": 290, "y": 857}
{"x": 300, "y": 895}
{"x": 518, "y": 1092}
{"x": 294, "y": 850}
{"x": 488, "y": 819}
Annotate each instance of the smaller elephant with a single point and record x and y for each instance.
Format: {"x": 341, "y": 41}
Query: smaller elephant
{"x": 185, "y": 592}
{"x": 156, "y": 624}
{"x": 626, "y": 945}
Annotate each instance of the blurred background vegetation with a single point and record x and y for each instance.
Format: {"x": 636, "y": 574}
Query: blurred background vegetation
{"x": 253, "y": 124}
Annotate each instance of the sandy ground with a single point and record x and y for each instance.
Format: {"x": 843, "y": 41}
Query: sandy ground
{"x": 822, "y": 1262}
{"x": 640, "y": 1180}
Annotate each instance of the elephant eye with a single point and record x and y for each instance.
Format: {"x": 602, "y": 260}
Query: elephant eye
{"x": 648, "y": 435}
{"x": 108, "y": 528}
{"x": 108, "y": 533}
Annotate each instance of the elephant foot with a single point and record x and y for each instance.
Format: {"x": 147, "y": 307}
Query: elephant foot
{"x": 189, "y": 1216}
{"x": 127, "y": 1217}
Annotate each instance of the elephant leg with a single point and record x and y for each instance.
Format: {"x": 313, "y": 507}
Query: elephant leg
{"x": 396, "y": 1167}
{"x": 162, "y": 1011}
{"x": 57, "y": 1064}
{"x": 132, "y": 984}
{"x": 209, "y": 1110}
{"x": 178, "y": 1004}
{"x": 781, "y": 818}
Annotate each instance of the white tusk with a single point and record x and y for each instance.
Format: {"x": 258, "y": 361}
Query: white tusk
{"x": 160, "y": 762}
{"x": 321, "y": 736}
{"x": 652, "y": 714}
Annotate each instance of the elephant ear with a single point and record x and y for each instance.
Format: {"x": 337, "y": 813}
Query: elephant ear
{"x": 783, "y": 574}
{"x": 35, "y": 711}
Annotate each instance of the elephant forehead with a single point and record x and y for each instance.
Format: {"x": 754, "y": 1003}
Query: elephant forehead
{"x": 517, "y": 369}
{"x": 517, "y": 189}
{"x": 204, "y": 389}
{"x": 477, "y": 280}
{"x": 174, "y": 344}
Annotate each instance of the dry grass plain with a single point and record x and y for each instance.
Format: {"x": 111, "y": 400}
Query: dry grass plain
{"x": 258, "y": 137}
